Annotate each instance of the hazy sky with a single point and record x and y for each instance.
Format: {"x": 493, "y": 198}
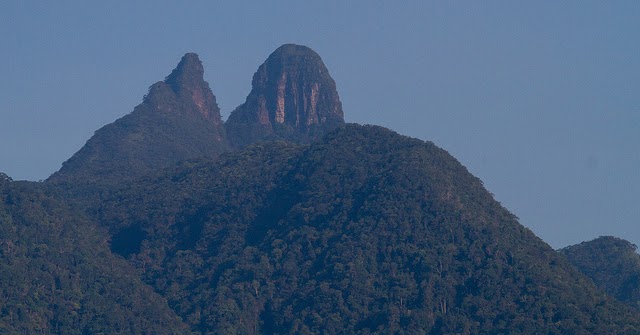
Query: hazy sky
{"x": 540, "y": 99}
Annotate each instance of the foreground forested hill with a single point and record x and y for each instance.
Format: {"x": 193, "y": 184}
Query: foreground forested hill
{"x": 282, "y": 220}
{"x": 365, "y": 231}
{"x": 58, "y": 276}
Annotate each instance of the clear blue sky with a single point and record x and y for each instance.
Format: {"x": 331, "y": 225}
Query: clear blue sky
{"x": 539, "y": 99}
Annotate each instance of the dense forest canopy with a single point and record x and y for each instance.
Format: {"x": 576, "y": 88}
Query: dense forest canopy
{"x": 365, "y": 231}
{"x": 58, "y": 276}
{"x": 285, "y": 220}
{"x": 612, "y": 263}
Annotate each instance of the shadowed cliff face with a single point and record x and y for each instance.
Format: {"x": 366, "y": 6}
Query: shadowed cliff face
{"x": 293, "y": 98}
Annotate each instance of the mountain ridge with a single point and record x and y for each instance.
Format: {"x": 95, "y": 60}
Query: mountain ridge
{"x": 284, "y": 219}
{"x": 179, "y": 118}
{"x": 364, "y": 231}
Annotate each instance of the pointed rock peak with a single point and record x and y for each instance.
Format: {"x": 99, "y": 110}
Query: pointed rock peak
{"x": 188, "y": 72}
{"x": 293, "y": 98}
{"x": 187, "y": 81}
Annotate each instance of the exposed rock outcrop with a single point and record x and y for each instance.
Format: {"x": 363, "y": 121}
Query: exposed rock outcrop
{"x": 293, "y": 98}
{"x": 178, "y": 119}
{"x": 186, "y": 80}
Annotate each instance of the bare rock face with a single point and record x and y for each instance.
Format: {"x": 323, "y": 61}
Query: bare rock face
{"x": 186, "y": 80}
{"x": 177, "y": 120}
{"x": 293, "y": 98}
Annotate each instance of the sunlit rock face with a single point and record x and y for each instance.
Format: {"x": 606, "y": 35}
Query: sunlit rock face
{"x": 293, "y": 98}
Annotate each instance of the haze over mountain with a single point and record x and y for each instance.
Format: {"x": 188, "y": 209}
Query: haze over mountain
{"x": 293, "y": 98}
{"x": 178, "y": 119}
{"x": 281, "y": 220}
{"x": 364, "y": 231}
{"x": 612, "y": 263}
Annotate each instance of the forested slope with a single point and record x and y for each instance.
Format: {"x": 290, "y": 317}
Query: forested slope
{"x": 365, "y": 231}
{"x": 612, "y": 263}
{"x": 58, "y": 276}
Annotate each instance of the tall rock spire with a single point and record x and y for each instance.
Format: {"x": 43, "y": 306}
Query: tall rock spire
{"x": 293, "y": 98}
{"x": 187, "y": 81}
{"x": 177, "y": 120}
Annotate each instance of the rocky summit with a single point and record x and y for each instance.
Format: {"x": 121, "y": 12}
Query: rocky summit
{"x": 186, "y": 80}
{"x": 293, "y": 98}
{"x": 177, "y": 120}
{"x": 332, "y": 229}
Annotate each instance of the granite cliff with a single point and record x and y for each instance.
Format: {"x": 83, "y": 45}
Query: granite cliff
{"x": 293, "y": 98}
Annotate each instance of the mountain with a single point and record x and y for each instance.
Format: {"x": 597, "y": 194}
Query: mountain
{"x": 293, "y": 98}
{"x": 282, "y": 220}
{"x": 58, "y": 276}
{"x": 178, "y": 119}
{"x": 612, "y": 263}
{"x": 365, "y": 231}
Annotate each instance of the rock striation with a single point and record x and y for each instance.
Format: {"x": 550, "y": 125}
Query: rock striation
{"x": 4, "y": 178}
{"x": 293, "y": 98}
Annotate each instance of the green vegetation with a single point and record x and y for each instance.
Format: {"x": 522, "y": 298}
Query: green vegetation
{"x": 58, "y": 276}
{"x": 363, "y": 232}
{"x": 156, "y": 227}
{"x": 178, "y": 120}
{"x": 613, "y": 265}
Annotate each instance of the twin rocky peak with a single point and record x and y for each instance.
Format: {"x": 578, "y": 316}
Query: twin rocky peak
{"x": 293, "y": 98}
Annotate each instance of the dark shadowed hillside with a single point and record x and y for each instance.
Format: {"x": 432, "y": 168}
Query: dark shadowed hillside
{"x": 57, "y": 275}
{"x": 612, "y": 263}
{"x": 365, "y": 231}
